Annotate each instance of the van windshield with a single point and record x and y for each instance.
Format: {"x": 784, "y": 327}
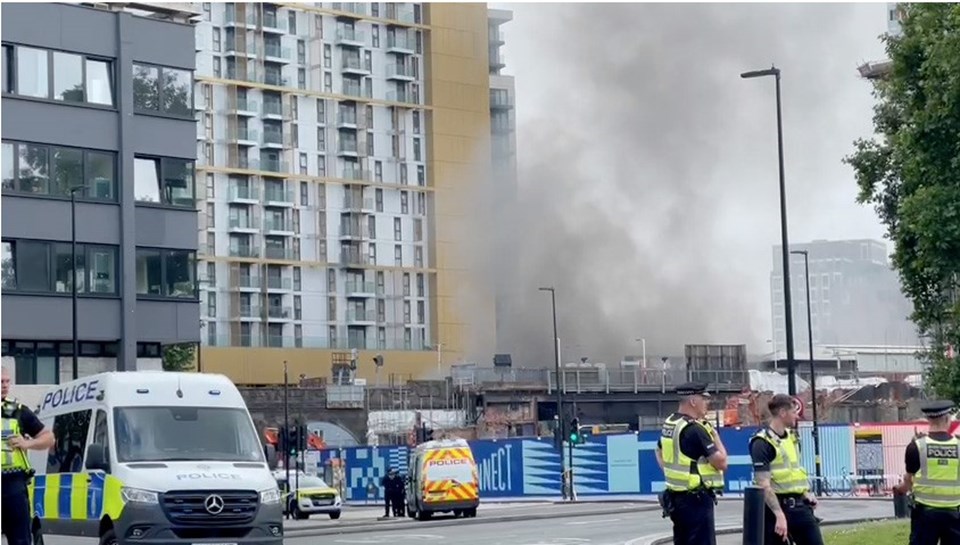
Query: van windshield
{"x": 169, "y": 434}
{"x": 449, "y": 470}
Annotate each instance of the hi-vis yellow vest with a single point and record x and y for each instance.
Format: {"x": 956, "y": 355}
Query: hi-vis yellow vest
{"x": 14, "y": 460}
{"x": 937, "y": 484}
{"x": 682, "y": 472}
{"x": 787, "y": 475}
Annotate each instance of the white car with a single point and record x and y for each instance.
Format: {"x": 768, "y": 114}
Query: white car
{"x": 313, "y": 497}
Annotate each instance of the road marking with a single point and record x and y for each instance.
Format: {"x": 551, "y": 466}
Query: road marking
{"x": 390, "y": 538}
{"x": 582, "y": 522}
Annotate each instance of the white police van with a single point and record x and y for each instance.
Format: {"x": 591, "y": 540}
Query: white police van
{"x": 154, "y": 457}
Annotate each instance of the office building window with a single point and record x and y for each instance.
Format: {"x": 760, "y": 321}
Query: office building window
{"x": 166, "y": 273}
{"x": 162, "y": 89}
{"x": 47, "y": 267}
{"x": 74, "y": 78}
{"x": 48, "y": 170}
{"x": 164, "y": 180}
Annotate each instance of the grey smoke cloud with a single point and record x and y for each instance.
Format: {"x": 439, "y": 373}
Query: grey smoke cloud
{"x": 648, "y": 168}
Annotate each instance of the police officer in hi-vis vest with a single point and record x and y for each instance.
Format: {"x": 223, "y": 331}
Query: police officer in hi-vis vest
{"x": 693, "y": 460}
{"x": 22, "y": 431}
{"x": 777, "y": 468}
{"x": 933, "y": 474}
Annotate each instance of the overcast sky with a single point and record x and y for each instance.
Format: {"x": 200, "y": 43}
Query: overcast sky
{"x": 651, "y": 166}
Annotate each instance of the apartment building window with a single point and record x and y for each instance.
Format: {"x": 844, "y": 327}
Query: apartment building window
{"x": 38, "y": 169}
{"x": 208, "y": 153}
{"x": 206, "y": 11}
{"x": 301, "y": 50}
{"x": 297, "y": 308}
{"x": 376, "y": 36}
{"x": 318, "y": 25}
{"x": 407, "y": 342}
{"x": 375, "y": 9}
{"x": 331, "y": 281}
{"x": 303, "y": 162}
{"x": 321, "y": 111}
{"x": 33, "y": 266}
{"x": 372, "y": 254}
{"x": 321, "y": 166}
{"x": 370, "y": 148}
{"x": 212, "y": 304}
{"x": 420, "y": 285}
{"x": 421, "y": 312}
{"x": 380, "y": 282}
{"x": 381, "y": 338}
{"x": 397, "y": 231}
{"x": 406, "y": 312}
{"x": 406, "y": 284}
{"x": 211, "y": 280}
{"x": 378, "y": 171}
{"x": 403, "y": 174}
{"x": 372, "y": 227}
{"x": 415, "y": 93}
{"x": 417, "y": 230}
{"x": 298, "y": 336}
{"x": 422, "y": 204}
{"x": 419, "y": 38}
{"x": 216, "y": 39}
{"x": 416, "y": 149}
{"x": 421, "y": 175}
{"x": 161, "y": 89}
{"x": 378, "y": 198}
{"x": 304, "y": 190}
{"x": 217, "y": 67}
{"x": 211, "y": 243}
{"x": 398, "y": 255}
{"x": 368, "y": 119}
{"x": 418, "y": 257}
{"x": 301, "y": 78}
{"x": 404, "y": 205}
{"x": 211, "y": 216}
{"x": 212, "y": 333}
{"x": 74, "y": 78}
{"x": 164, "y": 180}
{"x": 415, "y": 67}
{"x": 211, "y": 187}
{"x": 327, "y": 57}
{"x": 297, "y": 279}
{"x": 166, "y": 273}
{"x": 416, "y": 122}
{"x": 292, "y": 24}
{"x": 332, "y": 309}
{"x": 321, "y": 139}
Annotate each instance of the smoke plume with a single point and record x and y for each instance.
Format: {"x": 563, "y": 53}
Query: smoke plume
{"x": 648, "y": 168}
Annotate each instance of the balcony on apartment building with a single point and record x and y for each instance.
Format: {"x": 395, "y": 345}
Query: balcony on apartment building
{"x": 279, "y": 283}
{"x": 354, "y": 231}
{"x": 244, "y": 224}
{"x": 279, "y": 252}
{"x": 355, "y": 258}
{"x": 245, "y": 107}
{"x": 353, "y": 64}
{"x": 272, "y": 139}
{"x": 273, "y": 23}
{"x": 400, "y": 12}
{"x": 347, "y": 119}
{"x": 358, "y": 9}
{"x": 245, "y": 282}
{"x": 361, "y": 317}
{"x": 279, "y": 313}
{"x": 245, "y": 311}
{"x": 350, "y": 37}
{"x": 278, "y": 226}
{"x": 278, "y": 197}
{"x": 244, "y": 136}
{"x": 401, "y": 42}
{"x": 244, "y": 251}
{"x": 359, "y": 288}
{"x": 273, "y": 52}
{"x": 352, "y": 88}
{"x": 348, "y": 147}
{"x": 273, "y": 109}
{"x": 400, "y": 72}
{"x": 355, "y": 173}
{"x": 253, "y": 75}
{"x": 238, "y": 47}
{"x": 264, "y": 165}
{"x": 359, "y": 204}
{"x": 500, "y": 99}
{"x": 243, "y": 195}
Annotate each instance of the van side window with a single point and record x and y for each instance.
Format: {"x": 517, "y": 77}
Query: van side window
{"x": 71, "y": 432}
{"x": 100, "y": 431}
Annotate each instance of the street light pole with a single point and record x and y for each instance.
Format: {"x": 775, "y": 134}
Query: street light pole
{"x": 556, "y": 357}
{"x": 813, "y": 376}
{"x": 73, "y": 289}
{"x": 785, "y": 246}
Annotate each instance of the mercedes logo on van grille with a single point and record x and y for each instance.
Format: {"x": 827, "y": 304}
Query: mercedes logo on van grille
{"x": 213, "y": 504}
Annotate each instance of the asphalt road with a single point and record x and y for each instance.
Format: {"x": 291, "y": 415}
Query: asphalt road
{"x": 630, "y": 526}
{"x": 581, "y": 524}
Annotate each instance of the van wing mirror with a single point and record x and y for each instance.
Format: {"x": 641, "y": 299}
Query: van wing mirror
{"x": 270, "y": 452}
{"x": 98, "y": 457}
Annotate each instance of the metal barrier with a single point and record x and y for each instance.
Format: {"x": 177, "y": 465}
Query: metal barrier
{"x": 638, "y": 380}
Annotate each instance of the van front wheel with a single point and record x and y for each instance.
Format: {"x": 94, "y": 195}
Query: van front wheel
{"x": 108, "y": 538}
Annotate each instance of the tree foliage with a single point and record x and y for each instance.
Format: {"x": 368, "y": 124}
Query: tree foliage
{"x": 910, "y": 172}
{"x": 179, "y": 357}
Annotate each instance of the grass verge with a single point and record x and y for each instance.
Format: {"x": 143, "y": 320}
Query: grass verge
{"x": 872, "y": 533}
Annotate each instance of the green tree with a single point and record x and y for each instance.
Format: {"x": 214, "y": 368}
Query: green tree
{"x": 179, "y": 357}
{"x": 910, "y": 171}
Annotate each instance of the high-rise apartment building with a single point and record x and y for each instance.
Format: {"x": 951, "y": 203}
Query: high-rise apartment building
{"x": 855, "y": 296}
{"x": 503, "y": 140}
{"x": 98, "y": 104}
{"x": 337, "y": 145}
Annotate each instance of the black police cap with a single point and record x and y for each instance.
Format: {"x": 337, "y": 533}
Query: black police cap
{"x": 693, "y": 388}
{"x": 937, "y": 409}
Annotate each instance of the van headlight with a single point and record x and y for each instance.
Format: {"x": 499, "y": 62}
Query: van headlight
{"x": 138, "y": 495}
{"x": 270, "y": 496}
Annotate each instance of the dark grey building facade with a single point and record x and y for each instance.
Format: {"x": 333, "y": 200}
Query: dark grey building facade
{"x": 98, "y": 101}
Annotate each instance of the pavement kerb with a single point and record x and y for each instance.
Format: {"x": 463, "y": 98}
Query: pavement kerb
{"x": 665, "y": 539}
{"x": 322, "y": 530}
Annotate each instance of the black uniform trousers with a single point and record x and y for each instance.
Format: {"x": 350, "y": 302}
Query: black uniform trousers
{"x": 802, "y": 525}
{"x": 692, "y": 517}
{"x": 931, "y": 525}
{"x": 15, "y": 507}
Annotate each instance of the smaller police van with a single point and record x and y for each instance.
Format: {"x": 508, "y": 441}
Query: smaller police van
{"x": 153, "y": 457}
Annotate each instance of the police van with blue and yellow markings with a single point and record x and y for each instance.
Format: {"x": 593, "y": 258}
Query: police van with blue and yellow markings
{"x": 156, "y": 458}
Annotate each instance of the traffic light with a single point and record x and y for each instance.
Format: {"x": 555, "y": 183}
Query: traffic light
{"x": 576, "y": 438}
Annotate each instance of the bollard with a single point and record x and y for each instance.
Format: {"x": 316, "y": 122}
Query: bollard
{"x": 753, "y": 515}
{"x": 901, "y": 505}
